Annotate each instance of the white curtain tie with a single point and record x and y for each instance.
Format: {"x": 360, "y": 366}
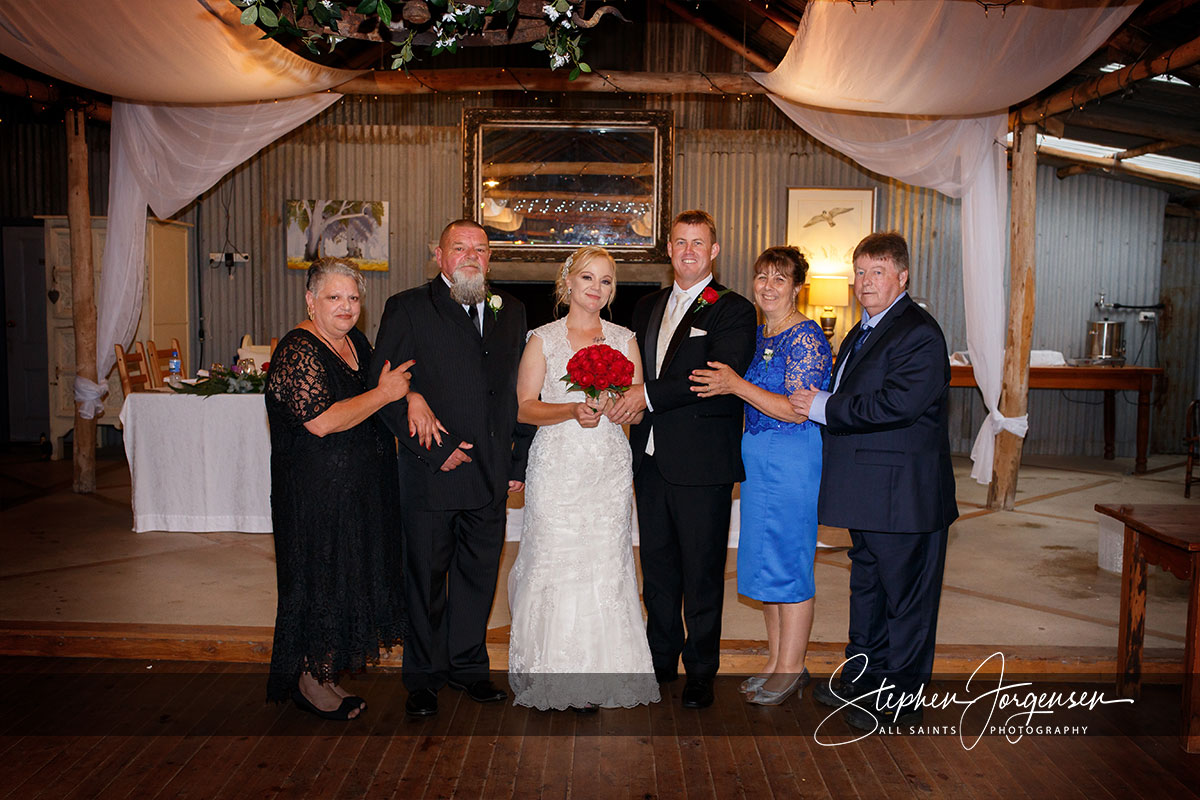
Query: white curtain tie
{"x": 90, "y": 397}
{"x": 1017, "y": 426}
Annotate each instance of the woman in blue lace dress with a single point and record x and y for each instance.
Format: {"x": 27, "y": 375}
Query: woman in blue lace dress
{"x": 782, "y": 454}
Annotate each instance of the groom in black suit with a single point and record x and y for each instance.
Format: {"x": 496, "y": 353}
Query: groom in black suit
{"x": 886, "y": 475}
{"x": 687, "y": 454}
{"x": 467, "y": 342}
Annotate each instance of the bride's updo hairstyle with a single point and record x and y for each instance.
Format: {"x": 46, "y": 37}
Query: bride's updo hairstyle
{"x": 575, "y": 263}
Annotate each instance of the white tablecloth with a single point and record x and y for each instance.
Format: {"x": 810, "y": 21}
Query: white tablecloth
{"x": 198, "y": 463}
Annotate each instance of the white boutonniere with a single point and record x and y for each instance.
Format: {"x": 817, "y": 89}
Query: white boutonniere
{"x": 768, "y": 354}
{"x": 494, "y": 303}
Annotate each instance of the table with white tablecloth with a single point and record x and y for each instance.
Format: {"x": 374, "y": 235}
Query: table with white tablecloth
{"x": 198, "y": 463}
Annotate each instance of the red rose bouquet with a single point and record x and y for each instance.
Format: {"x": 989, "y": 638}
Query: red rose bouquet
{"x": 598, "y": 368}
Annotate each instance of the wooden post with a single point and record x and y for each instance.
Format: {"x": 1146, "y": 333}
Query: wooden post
{"x": 1014, "y": 395}
{"x": 83, "y": 294}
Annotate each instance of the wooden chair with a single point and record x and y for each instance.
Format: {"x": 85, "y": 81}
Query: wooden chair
{"x": 258, "y": 353}
{"x": 134, "y": 369}
{"x": 159, "y": 368}
{"x": 1191, "y": 437}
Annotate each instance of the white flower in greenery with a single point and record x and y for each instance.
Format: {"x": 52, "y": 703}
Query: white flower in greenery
{"x": 450, "y": 17}
{"x": 550, "y": 11}
{"x": 567, "y": 23}
{"x": 557, "y": 60}
{"x": 328, "y": 4}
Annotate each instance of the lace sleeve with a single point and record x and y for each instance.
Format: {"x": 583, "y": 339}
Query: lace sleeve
{"x": 809, "y": 358}
{"x": 298, "y": 381}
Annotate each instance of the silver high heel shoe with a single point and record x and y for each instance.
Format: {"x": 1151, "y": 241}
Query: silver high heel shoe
{"x": 751, "y": 684}
{"x": 763, "y": 697}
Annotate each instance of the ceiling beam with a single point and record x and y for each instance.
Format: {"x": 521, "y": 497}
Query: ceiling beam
{"x": 1077, "y": 96}
{"x": 728, "y": 41}
{"x": 1114, "y": 166}
{"x": 1145, "y": 150}
{"x": 780, "y": 21}
{"x": 1150, "y": 130}
{"x": 502, "y": 79}
{"x": 49, "y": 95}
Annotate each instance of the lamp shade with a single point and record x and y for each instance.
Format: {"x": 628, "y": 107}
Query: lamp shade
{"x": 828, "y": 290}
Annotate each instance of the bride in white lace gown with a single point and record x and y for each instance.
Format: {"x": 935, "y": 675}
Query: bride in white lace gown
{"x": 578, "y": 639}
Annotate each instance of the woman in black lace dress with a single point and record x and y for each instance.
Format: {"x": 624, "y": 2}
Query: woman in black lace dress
{"x": 332, "y": 464}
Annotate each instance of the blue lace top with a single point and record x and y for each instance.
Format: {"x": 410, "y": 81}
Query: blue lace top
{"x": 791, "y": 359}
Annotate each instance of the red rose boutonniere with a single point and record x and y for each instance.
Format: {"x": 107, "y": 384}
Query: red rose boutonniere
{"x": 709, "y": 296}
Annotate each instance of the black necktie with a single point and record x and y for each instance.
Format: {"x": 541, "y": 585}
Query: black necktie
{"x": 473, "y": 313}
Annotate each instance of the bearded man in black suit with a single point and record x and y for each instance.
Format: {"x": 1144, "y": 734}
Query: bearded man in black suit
{"x": 887, "y": 477}
{"x": 457, "y": 460}
{"x": 687, "y": 454}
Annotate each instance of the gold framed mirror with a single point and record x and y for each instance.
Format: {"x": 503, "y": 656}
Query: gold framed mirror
{"x": 543, "y": 182}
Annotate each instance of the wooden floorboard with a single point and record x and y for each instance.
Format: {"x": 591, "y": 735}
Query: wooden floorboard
{"x": 115, "y": 729}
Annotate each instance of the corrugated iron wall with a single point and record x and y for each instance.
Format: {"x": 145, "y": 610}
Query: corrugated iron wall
{"x": 417, "y": 170}
{"x": 1093, "y": 235}
{"x": 1178, "y": 331}
{"x": 35, "y": 168}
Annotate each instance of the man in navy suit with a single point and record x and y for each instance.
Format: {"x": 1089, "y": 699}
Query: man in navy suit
{"x": 887, "y": 477}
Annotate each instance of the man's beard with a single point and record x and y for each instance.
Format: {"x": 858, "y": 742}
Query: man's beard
{"x": 468, "y": 287}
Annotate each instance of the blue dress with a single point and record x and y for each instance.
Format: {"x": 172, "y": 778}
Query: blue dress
{"x": 778, "y": 537}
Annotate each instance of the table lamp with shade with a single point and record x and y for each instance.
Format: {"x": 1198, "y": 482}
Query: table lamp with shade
{"x": 828, "y": 292}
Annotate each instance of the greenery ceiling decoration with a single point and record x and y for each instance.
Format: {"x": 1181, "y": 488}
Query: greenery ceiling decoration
{"x": 440, "y": 26}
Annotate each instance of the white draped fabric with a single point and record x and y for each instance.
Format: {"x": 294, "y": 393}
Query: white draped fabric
{"x": 164, "y": 157}
{"x": 933, "y": 77}
{"x": 163, "y": 51}
{"x": 158, "y": 51}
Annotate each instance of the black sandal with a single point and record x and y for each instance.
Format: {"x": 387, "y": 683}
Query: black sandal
{"x": 340, "y": 714}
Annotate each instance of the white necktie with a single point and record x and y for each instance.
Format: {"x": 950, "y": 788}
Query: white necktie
{"x": 676, "y": 306}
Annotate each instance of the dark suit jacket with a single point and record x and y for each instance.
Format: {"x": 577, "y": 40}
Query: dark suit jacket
{"x": 697, "y": 441}
{"x": 886, "y": 447}
{"x": 471, "y": 385}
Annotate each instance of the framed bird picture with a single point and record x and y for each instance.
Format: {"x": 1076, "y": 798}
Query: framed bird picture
{"x": 827, "y": 224}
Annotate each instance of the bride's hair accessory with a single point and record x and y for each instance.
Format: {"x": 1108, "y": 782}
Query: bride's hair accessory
{"x": 566, "y": 270}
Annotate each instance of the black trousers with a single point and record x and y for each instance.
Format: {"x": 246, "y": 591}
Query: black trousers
{"x": 451, "y": 560}
{"x": 895, "y": 590}
{"x": 684, "y": 533}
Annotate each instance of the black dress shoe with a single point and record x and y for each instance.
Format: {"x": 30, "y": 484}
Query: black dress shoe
{"x": 666, "y": 674}
{"x": 842, "y": 693}
{"x": 481, "y": 691}
{"x": 421, "y": 703}
{"x": 888, "y": 718}
{"x": 698, "y": 693}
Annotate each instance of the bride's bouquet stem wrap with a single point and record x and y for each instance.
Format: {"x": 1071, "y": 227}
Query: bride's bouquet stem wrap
{"x": 597, "y": 369}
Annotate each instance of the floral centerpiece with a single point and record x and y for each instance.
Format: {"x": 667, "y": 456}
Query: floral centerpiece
{"x": 243, "y": 378}
{"x": 597, "y": 369}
